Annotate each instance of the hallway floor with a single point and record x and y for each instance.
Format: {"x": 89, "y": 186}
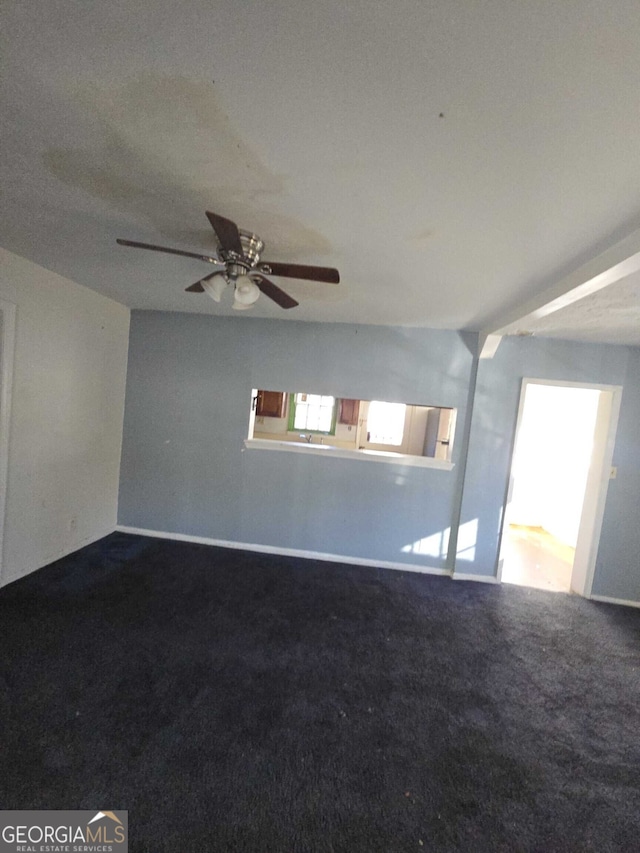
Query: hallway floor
{"x": 535, "y": 558}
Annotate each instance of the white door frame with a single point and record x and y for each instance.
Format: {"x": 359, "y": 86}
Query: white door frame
{"x": 7, "y": 347}
{"x": 597, "y": 481}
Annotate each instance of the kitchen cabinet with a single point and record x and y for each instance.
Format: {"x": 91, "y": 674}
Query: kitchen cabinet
{"x": 348, "y": 412}
{"x": 271, "y": 404}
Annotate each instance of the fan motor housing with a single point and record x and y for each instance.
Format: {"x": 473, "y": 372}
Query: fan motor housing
{"x": 252, "y": 246}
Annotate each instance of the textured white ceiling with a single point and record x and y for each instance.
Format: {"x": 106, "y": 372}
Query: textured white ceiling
{"x": 449, "y": 158}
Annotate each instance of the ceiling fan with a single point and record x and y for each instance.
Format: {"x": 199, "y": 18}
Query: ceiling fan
{"x": 240, "y": 265}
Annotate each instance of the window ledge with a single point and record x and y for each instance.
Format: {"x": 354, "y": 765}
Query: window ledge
{"x": 342, "y": 453}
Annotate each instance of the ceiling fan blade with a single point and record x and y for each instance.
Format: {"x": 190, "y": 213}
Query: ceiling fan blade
{"x": 326, "y": 274}
{"x": 274, "y": 292}
{"x": 227, "y": 233}
{"x": 210, "y": 259}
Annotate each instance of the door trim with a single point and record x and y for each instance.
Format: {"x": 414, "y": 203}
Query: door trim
{"x": 595, "y": 497}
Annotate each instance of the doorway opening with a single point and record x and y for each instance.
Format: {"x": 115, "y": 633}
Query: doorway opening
{"x": 560, "y": 471}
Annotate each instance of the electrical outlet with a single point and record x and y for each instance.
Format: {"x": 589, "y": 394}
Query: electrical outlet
{"x": 613, "y": 473}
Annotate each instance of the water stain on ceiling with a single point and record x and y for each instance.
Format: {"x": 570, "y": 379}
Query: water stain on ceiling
{"x": 168, "y": 152}
{"x": 421, "y": 238}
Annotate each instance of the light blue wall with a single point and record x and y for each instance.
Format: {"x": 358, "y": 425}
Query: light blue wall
{"x": 491, "y": 444}
{"x": 184, "y": 469}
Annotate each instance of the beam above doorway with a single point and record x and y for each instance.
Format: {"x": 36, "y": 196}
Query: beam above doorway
{"x": 607, "y": 268}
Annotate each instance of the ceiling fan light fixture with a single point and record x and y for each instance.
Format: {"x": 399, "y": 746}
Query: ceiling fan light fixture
{"x": 246, "y": 292}
{"x": 215, "y": 285}
{"x": 238, "y": 263}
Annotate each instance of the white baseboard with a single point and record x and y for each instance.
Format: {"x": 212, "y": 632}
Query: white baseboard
{"x": 285, "y": 552}
{"x": 461, "y": 576}
{"x": 624, "y": 601}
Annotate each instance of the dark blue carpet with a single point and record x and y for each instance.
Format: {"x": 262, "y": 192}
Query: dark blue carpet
{"x": 241, "y": 702}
